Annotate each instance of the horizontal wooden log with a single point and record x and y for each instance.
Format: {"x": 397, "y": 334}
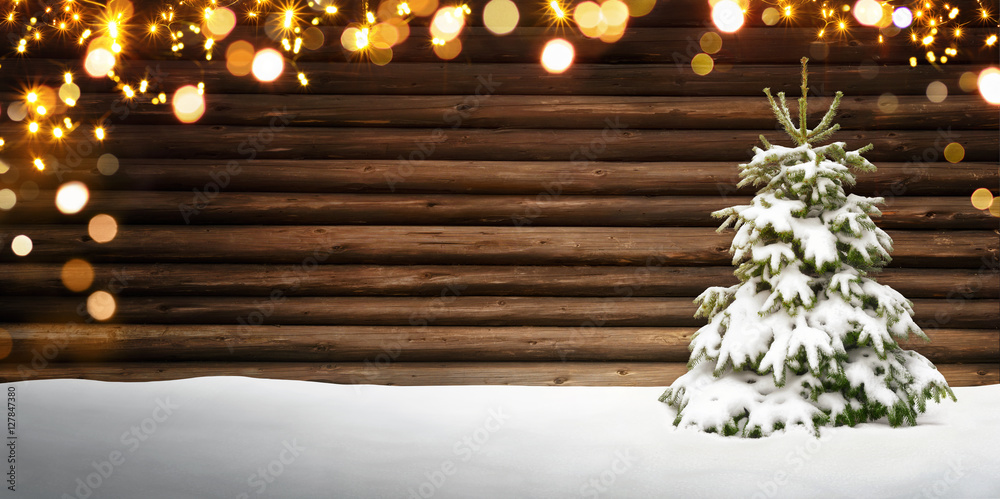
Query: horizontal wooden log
{"x": 432, "y": 245}
{"x": 440, "y": 78}
{"x": 668, "y": 45}
{"x": 559, "y": 112}
{"x": 891, "y": 180}
{"x": 394, "y": 209}
{"x": 617, "y": 142}
{"x": 422, "y": 373}
{"x": 450, "y": 309}
{"x": 24, "y": 279}
{"x": 168, "y": 343}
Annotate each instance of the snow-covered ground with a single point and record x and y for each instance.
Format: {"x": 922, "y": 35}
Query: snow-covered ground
{"x": 231, "y": 437}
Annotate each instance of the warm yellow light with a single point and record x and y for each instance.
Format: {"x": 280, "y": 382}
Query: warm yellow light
{"x": 913, "y": 61}
{"x": 143, "y": 85}
{"x": 267, "y": 65}
{"x": 127, "y": 90}
{"x": 557, "y": 56}
{"x": 727, "y": 16}
{"x": 72, "y": 197}
{"x": 99, "y": 133}
{"x": 370, "y": 17}
{"x": 32, "y": 97}
{"x": 68, "y": 78}
{"x": 557, "y": 10}
{"x": 330, "y": 9}
{"x": 57, "y": 132}
{"x": 991, "y": 40}
{"x": 39, "y": 165}
{"x": 33, "y": 127}
{"x": 927, "y": 40}
{"x": 101, "y": 305}
{"x": 21, "y": 245}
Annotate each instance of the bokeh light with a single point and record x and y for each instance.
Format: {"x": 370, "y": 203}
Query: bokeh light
{"x": 220, "y": 22}
{"x": 639, "y": 8}
{"x": 29, "y": 190}
{"x": 21, "y": 245}
{"x": 995, "y": 207}
{"x": 710, "y": 42}
{"x": 501, "y": 16}
{"x": 268, "y": 65}
{"x": 448, "y": 50}
{"x": 101, "y": 305}
{"x": 937, "y": 92}
{"x": 77, "y": 275}
{"x": 557, "y": 56}
{"x": 102, "y": 228}
{"x": 989, "y": 85}
{"x": 188, "y": 103}
{"x": 100, "y": 58}
{"x": 313, "y": 38}
{"x": 448, "y": 23}
{"x": 982, "y": 198}
{"x": 107, "y": 164}
{"x": 902, "y": 17}
{"x": 770, "y": 16}
{"x": 239, "y": 58}
{"x": 868, "y": 12}
{"x": 888, "y": 103}
{"x": 72, "y": 197}
{"x": 968, "y": 82}
{"x": 17, "y": 111}
{"x": 7, "y": 199}
{"x": 702, "y": 64}
{"x": 727, "y": 16}
{"x": 954, "y": 152}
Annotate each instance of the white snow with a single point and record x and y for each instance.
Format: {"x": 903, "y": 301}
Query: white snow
{"x": 227, "y": 436}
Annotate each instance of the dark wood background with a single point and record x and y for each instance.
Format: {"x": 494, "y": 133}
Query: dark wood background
{"x": 551, "y": 229}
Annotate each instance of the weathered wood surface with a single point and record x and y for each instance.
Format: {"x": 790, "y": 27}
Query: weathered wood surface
{"x": 450, "y": 309}
{"x": 615, "y": 143}
{"x": 25, "y": 279}
{"x": 422, "y": 373}
{"x": 230, "y": 208}
{"x": 918, "y": 176}
{"x": 168, "y": 343}
{"x": 551, "y": 112}
{"x": 671, "y": 45}
{"x": 433, "y": 245}
{"x": 440, "y": 78}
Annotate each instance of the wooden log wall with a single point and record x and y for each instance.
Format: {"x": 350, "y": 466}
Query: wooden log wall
{"x": 477, "y": 221}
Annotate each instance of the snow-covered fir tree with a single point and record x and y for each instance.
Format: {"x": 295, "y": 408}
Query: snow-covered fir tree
{"x": 806, "y": 338}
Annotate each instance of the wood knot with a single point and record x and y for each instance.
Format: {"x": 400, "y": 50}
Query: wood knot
{"x": 559, "y": 380}
{"x": 622, "y": 372}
